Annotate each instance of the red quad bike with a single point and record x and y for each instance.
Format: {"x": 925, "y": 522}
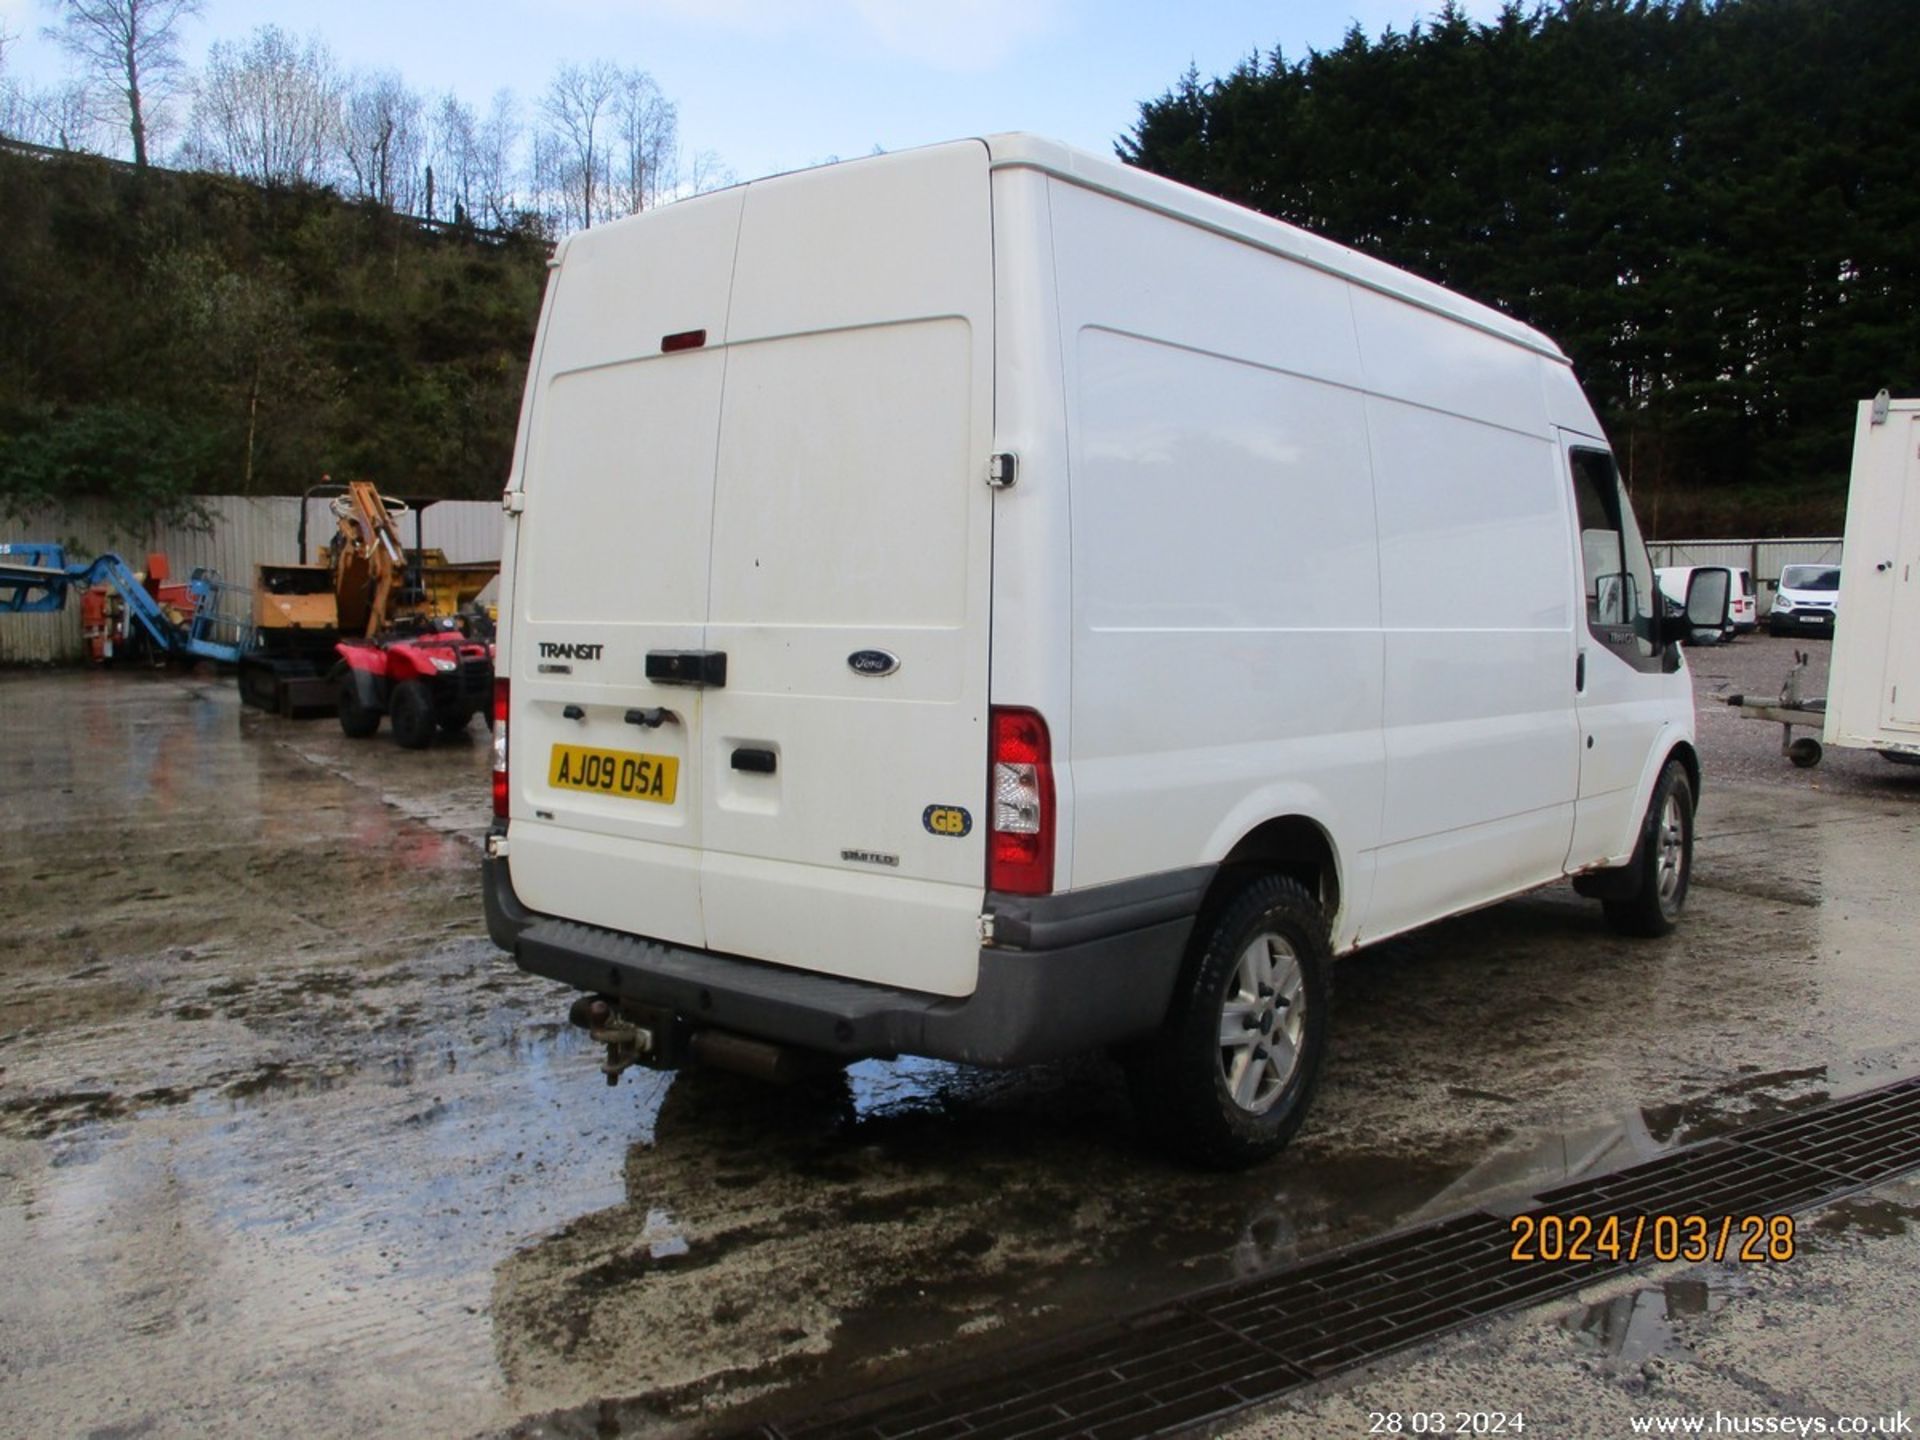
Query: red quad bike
{"x": 426, "y": 678}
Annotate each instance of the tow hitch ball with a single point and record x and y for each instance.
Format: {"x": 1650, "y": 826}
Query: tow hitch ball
{"x": 625, "y": 1041}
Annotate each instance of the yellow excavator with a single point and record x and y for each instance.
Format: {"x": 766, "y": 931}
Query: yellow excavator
{"x": 363, "y": 583}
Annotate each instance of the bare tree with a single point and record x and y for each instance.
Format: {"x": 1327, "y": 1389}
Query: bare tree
{"x": 573, "y": 160}
{"x": 453, "y": 145}
{"x": 383, "y": 139}
{"x": 645, "y": 132}
{"x": 60, "y": 117}
{"x": 495, "y": 165}
{"x": 268, "y": 111}
{"x": 129, "y": 47}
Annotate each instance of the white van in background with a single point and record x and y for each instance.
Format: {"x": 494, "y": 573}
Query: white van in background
{"x": 1807, "y": 601}
{"x": 977, "y": 603}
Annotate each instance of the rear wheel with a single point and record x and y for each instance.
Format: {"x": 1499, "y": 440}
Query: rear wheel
{"x": 357, "y": 719}
{"x": 454, "y": 721}
{"x": 1663, "y": 863}
{"x": 1226, "y": 1081}
{"x": 411, "y": 710}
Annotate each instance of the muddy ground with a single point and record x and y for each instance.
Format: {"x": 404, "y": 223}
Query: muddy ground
{"x": 285, "y": 1145}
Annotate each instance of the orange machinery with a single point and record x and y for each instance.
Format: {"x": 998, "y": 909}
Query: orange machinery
{"x": 364, "y": 580}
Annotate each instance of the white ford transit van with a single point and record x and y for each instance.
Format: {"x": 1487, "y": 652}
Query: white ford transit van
{"x": 978, "y": 603}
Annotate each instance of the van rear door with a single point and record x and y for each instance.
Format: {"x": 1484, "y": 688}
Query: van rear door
{"x": 844, "y": 760}
{"x": 612, "y": 565}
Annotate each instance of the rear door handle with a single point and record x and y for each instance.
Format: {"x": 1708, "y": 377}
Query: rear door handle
{"x": 1580, "y": 673}
{"x": 758, "y": 762}
{"x": 701, "y": 669}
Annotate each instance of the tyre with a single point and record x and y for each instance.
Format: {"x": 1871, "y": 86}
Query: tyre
{"x": 1805, "y": 752}
{"x": 358, "y": 720}
{"x": 1226, "y": 1081}
{"x": 453, "y": 722}
{"x": 411, "y": 710}
{"x": 1663, "y": 861}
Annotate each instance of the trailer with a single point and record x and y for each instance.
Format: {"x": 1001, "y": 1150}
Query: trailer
{"x": 1873, "y": 688}
{"x": 36, "y": 577}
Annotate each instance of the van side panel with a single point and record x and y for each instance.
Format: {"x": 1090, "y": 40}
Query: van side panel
{"x": 1481, "y": 740}
{"x": 1385, "y": 646}
{"x": 1226, "y": 621}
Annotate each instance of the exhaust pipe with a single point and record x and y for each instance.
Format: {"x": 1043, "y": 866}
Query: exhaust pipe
{"x": 761, "y": 1059}
{"x": 627, "y": 1042}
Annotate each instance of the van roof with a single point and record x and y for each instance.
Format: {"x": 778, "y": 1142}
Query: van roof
{"x": 1223, "y": 217}
{"x": 1016, "y": 150}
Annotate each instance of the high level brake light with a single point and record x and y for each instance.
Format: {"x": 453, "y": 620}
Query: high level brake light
{"x": 1020, "y": 795}
{"x": 500, "y": 749}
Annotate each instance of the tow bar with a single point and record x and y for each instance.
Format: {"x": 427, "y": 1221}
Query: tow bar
{"x": 626, "y": 1042}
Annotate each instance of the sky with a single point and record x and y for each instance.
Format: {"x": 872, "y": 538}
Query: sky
{"x": 772, "y": 85}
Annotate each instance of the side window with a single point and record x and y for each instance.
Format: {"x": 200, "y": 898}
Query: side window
{"x": 1618, "y": 578}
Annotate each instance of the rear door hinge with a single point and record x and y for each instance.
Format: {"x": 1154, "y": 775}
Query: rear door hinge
{"x": 986, "y": 928}
{"x": 1002, "y": 470}
{"x": 513, "y": 501}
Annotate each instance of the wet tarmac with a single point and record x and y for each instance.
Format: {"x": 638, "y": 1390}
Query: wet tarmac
{"x": 284, "y": 1143}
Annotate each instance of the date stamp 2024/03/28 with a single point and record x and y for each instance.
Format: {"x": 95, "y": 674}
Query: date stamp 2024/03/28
{"x": 1575, "y": 1238}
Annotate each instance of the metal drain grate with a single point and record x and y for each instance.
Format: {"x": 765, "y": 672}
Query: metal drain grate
{"x": 1232, "y": 1346}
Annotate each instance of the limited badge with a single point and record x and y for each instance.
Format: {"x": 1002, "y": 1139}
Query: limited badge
{"x": 946, "y": 820}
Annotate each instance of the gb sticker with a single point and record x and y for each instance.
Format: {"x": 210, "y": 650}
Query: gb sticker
{"x": 948, "y": 820}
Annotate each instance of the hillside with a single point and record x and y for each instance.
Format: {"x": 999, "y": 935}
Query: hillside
{"x": 165, "y": 333}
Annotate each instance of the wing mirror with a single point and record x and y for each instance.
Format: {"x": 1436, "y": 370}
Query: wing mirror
{"x": 1709, "y": 594}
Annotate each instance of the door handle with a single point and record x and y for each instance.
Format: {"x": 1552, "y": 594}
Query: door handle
{"x": 702, "y": 669}
{"x": 648, "y": 719}
{"x": 1580, "y": 673}
{"x": 756, "y": 762}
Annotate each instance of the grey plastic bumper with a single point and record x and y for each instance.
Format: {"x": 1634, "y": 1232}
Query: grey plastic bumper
{"x": 1070, "y": 973}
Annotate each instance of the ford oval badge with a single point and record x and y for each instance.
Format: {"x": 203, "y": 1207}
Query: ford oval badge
{"x": 873, "y": 662}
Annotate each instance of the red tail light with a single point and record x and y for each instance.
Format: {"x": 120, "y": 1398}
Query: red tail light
{"x": 1020, "y": 804}
{"x": 500, "y": 749}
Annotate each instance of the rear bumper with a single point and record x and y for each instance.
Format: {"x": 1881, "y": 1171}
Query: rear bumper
{"x": 1082, "y": 970}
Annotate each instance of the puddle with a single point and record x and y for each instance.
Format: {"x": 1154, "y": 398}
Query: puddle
{"x": 1873, "y": 1219}
{"x": 1629, "y": 1330}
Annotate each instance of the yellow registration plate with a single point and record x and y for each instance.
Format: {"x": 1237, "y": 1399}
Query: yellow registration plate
{"x": 626, "y": 773}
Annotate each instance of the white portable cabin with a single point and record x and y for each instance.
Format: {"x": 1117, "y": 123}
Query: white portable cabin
{"x": 1873, "y": 691}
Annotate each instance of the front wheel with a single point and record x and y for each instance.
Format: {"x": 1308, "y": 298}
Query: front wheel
{"x": 1226, "y": 1081}
{"x": 410, "y": 709}
{"x": 1663, "y": 862}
